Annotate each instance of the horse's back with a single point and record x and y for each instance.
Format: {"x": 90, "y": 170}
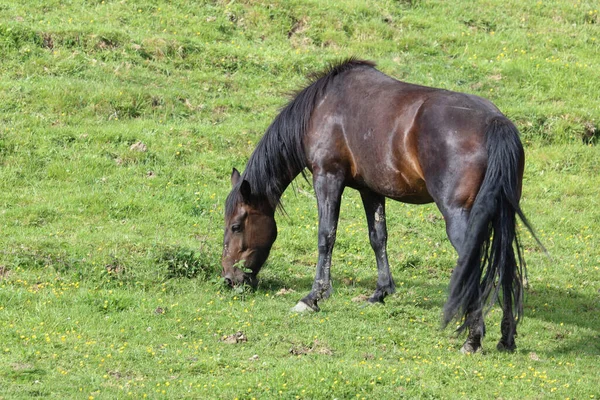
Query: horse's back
{"x": 396, "y": 138}
{"x": 452, "y": 145}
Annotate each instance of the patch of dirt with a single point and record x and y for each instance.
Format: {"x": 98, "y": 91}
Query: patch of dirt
{"x": 115, "y": 374}
{"x": 191, "y": 107}
{"x": 139, "y": 146}
{"x": 104, "y": 44}
{"x": 114, "y": 268}
{"x": 219, "y": 110}
{"x": 159, "y": 311}
{"x": 21, "y": 366}
{"x": 157, "y": 101}
{"x": 237, "y": 337}
{"x": 298, "y": 26}
{"x": 47, "y": 39}
{"x": 590, "y": 133}
{"x": 360, "y": 298}
{"x": 433, "y": 218}
{"x": 296, "y": 34}
{"x": 477, "y": 86}
{"x": 315, "y": 348}
{"x": 299, "y": 350}
{"x": 347, "y": 281}
{"x": 4, "y": 271}
{"x": 284, "y": 291}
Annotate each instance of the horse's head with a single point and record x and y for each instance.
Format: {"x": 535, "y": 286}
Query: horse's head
{"x": 250, "y": 231}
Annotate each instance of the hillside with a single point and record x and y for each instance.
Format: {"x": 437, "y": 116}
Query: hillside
{"x": 120, "y": 122}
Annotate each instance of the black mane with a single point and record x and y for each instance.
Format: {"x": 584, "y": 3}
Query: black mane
{"x": 279, "y": 156}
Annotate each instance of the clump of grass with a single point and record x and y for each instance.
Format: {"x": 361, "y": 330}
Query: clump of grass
{"x": 183, "y": 262}
{"x": 591, "y": 133}
{"x": 33, "y": 259}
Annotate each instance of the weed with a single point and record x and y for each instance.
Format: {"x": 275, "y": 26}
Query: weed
{"x": 186, "y": 263}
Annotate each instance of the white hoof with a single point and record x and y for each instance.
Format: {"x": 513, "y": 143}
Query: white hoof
{"x": 301, "y": 307}
{"x": 468, "y": 349}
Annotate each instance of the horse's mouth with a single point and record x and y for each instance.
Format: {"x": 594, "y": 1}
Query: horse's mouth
{"x": 250, "y": 280}
{"x": 247, "y": 279}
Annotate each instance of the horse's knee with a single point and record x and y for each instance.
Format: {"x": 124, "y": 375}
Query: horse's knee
{"x": 378, "y": 238}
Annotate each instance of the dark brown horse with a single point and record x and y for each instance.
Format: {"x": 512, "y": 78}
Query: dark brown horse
{"x": 354, "y": 126}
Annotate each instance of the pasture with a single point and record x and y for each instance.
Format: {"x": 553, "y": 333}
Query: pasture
{"x": 120, "y": 122}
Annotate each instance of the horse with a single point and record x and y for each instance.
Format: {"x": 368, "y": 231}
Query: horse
{"x": 356, "y": 127}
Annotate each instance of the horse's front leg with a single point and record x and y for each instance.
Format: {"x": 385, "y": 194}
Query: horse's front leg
{"x": 375, "y": 211}
{"x": 328, "y": 188}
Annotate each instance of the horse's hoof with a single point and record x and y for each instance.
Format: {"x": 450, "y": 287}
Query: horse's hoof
{"x": 302, "y": 307}
{"x": 469, "y": 349}
{"x": 501, "y": 346}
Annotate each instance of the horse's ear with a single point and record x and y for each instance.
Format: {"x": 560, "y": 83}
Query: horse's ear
{"x": 235, "y": 177}
{"x": 245, "y": 191}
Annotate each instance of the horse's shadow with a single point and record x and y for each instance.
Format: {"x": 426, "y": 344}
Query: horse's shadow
{"x": 552, "y": 305}
{"x": 304, "y": 284}
{"x": 566, "y": 309}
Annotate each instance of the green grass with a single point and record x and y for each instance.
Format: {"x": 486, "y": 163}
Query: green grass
{"x": 109, "y": 256}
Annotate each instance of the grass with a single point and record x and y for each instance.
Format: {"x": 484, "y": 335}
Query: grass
{"x": 109, "y": 253}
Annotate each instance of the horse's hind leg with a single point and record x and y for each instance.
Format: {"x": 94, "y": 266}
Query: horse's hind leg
{"x": 508, "y": 329}
{"x": 476, "y": 332}
{"x": 374, "y": 205}
{"x": 328, "y": 188}
{"x": 456, "y": 225}
{"x": 509, "y": 325}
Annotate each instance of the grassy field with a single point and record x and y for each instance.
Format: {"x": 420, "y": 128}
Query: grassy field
{"x": 120, "y": 122}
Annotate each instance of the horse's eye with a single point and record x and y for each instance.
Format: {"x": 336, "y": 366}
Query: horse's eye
{"x": 236, "y": 228}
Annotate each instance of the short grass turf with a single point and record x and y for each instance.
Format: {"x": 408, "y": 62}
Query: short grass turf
{"x": 120, "y": 122}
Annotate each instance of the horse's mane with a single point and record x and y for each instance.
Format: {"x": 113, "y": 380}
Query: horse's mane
{"x": 279, "y": 156}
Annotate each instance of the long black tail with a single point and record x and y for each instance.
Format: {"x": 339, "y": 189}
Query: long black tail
{"x": 492, "y": 255}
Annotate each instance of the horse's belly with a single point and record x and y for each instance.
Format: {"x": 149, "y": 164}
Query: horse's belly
{"x": 406, "y": 194}
{"x": 395, "y": 185}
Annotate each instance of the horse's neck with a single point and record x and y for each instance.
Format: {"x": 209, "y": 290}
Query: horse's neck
{"x": 271, "y": 177}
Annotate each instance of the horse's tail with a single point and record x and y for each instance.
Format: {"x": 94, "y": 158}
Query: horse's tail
{"x": 491, "y": 255}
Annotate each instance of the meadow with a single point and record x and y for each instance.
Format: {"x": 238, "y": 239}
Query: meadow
{"x": 120, "y": 123}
